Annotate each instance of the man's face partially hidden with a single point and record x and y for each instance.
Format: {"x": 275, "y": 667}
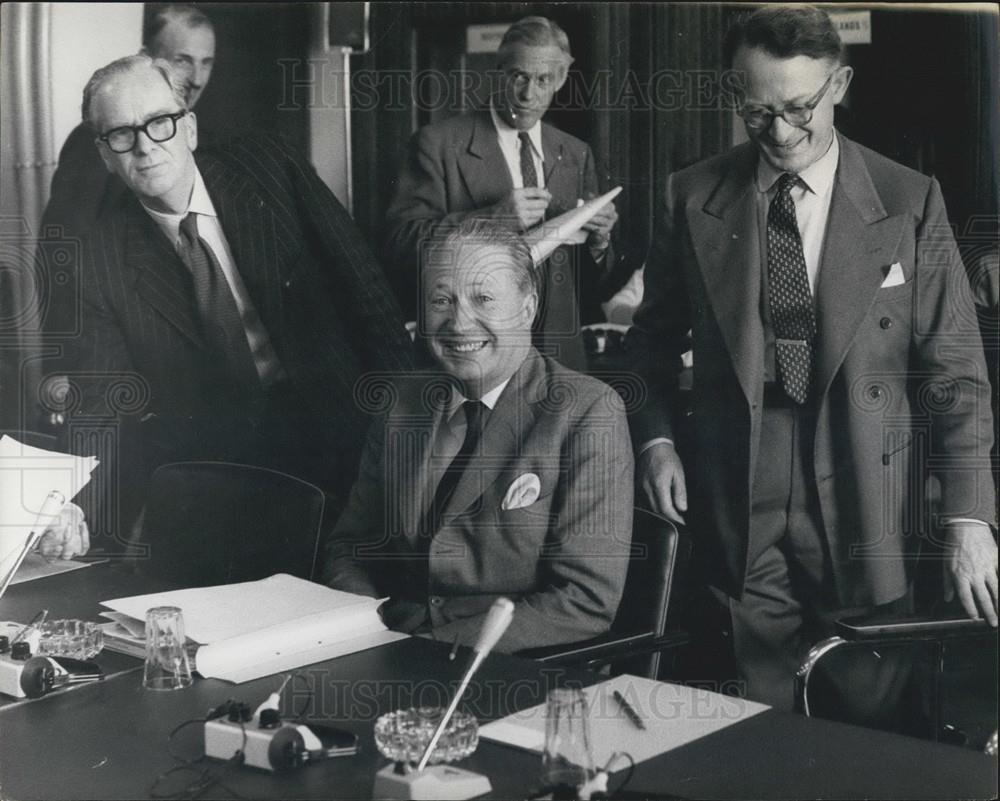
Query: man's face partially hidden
{"x": 477, "y": 318}
{"x": 532, "y": 76}
{"x": 191, "y": 52}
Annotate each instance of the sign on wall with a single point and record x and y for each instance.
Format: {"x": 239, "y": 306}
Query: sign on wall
{"x": 854, "y": 27}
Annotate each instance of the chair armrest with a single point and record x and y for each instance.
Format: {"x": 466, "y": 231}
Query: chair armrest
{"x": 607, "y": 645}
{"x": 926, "y": 627}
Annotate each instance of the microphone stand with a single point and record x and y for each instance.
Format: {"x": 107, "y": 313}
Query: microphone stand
{"x": 446, "y": 782}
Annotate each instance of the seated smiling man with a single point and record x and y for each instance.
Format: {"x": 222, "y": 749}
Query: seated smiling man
{"x": 504, "y": 475}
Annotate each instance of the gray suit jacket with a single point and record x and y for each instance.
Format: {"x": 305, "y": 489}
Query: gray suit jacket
{"x": 900, "y": 378}
{"x": 562, "y": 559}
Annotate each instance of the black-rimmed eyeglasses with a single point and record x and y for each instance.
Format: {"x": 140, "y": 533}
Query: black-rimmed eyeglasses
{"x": 159, "y": 129}
{"x": 761, "y": 117}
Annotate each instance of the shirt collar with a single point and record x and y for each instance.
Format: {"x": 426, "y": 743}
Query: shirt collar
{"x": 508, "y": 135}
{"x": 200, "y": 203}
{"x": 817, "y": 177}
{"x": 489, "y": 400}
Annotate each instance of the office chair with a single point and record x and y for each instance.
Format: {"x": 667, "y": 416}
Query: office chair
{"x": 217, "y": 523}
{"x": 930, "y": 644}
{"x": 638, "y": 634}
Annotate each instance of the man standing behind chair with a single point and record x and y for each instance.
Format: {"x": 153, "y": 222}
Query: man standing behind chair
{"x": 504, "y": 163}
{"x": 507, "y": 475}
{"x": 836, "y": 360}
{"x": 229, "y": 293}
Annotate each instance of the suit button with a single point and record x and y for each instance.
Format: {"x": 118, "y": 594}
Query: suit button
{"x": 885, "y": 322}
{"x": 435, "y": 600}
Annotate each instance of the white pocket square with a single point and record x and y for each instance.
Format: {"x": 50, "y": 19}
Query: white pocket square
{"x": 523, "y": 491}
{"x": 895, "y": 276}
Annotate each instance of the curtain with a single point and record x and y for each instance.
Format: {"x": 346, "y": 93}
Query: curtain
{"x": 26, "y": 166}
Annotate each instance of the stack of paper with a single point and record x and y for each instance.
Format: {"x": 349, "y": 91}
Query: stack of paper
{"x": 27, "y": 477}
{"x": 257, "y": 628}
{"x": 673, "y": 715}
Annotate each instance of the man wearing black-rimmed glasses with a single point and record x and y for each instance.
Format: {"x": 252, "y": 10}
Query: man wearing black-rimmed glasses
{"x": 228, "y": 294}
{"x": 837, "y": 363}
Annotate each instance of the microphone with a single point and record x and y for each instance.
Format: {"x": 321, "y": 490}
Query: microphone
{"x": 496, "y": 623}
{"x": 43, "y": 674}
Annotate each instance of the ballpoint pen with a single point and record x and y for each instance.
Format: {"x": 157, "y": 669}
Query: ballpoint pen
{"x": 630, "y": 713}
{"x": 454, "y": 650}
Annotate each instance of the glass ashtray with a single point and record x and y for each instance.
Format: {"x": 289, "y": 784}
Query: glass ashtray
{"x": 80, "y": 639}
{"x": 403, "y": 735}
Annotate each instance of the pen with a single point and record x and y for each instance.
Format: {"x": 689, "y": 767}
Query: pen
{"x": 36, "y": 620}
{"x": 630, "y": 713}
{"x": 454, "y": 650}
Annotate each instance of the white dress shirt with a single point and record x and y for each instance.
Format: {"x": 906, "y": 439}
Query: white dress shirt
{"x": 510, "y": 146}
{"x": 210, "y": 230}
{"x": 811, "y": 195}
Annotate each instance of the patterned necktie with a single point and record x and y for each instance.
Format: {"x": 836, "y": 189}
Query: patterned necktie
{"x": 446, "y": 487}
{"x": 792, "y": 314}
{"x": 529, "y": 176}
{"x": 217, "y": 310}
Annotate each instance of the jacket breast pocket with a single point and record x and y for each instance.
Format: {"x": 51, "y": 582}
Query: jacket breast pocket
{"x": 894, "y": 293}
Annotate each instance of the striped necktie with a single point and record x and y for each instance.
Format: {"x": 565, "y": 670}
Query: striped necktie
{"x": 217, "y": 310}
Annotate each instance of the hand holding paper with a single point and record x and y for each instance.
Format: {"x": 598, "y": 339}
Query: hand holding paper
{"x": 28, "y": 477}
{"x": 545, "y": 238}
{"x": 66, "y": 536}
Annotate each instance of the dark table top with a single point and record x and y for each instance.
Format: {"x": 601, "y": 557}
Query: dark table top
{"x": 109, "y": 740}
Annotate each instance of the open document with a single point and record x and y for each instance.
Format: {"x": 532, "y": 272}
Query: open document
{"x": 34, "y": 485}
{"x": 256, "y": 628}
{"x": 672, "y": 715}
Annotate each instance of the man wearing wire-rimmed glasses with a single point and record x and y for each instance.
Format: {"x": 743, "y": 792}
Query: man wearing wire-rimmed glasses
{"x": 837, "y": 363}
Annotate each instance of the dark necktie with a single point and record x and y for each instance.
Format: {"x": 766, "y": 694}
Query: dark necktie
{"x": 792, "y": 314}
{"x": 217, "y": 310}
{"x": 529, "y": 176}
{"x": 446, "y": 487}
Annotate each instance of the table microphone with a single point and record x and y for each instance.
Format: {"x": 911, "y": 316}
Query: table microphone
{"x": 497, "y": 621}
{"x": 447, "y": 781}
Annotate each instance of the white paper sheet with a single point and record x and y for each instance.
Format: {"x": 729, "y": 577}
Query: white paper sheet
{"x": 674, "y": 716}
{"x": 36, "y": 566}
{"x": 27, "y": 476}
{"x": 212, "y": 614}
{"x": 258, "y": 628}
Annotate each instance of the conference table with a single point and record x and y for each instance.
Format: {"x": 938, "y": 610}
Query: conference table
{"x": 108, "y": 740}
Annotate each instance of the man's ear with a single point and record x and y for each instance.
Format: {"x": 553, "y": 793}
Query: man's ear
{"x": 106, "y": 154}
{"x": 192, "y": 130}
{"x": 530, "y": 308}
{"x": 842, "y": 81}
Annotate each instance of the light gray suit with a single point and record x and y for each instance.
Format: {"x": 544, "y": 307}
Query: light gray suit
{"x": 562, "y": 559}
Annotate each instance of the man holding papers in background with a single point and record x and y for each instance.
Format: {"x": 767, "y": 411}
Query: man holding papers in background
{"x": 503, "y": 163}
{"x": 505, "y": 475}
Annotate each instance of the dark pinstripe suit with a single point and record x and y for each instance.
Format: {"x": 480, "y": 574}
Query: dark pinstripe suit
{"x": 320, "y": 294}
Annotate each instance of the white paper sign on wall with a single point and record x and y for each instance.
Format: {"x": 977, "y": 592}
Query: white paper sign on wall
{"x": 854, "y": 27}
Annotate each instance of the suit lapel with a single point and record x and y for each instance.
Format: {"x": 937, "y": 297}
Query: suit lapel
{"x": 252, "y": 235}
{"x": 726, "y": 240}
{"x": 860, "y": 240}
{"x": 479, "y": 163}
{"x": 560, "y": 176}
{"x": 502, "y": 434}
{"x": 414, "y": 436}
{"x": 161, "y": 279}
